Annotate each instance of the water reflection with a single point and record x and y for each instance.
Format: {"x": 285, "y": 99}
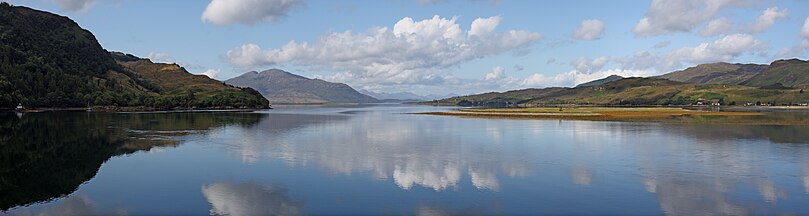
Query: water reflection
{"x": 374, "y": 160}
{"x": 693, "y": 198}
{"x": 386, "y": 145}
{"x": 42, "y": 158}
{"x": 437, "y": 210}
{"x": 74, "y": 205}
{"x": 250, "y": 198}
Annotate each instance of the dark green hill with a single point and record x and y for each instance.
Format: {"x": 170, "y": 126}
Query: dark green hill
{"x": 47, "y": 60}
{"x": 282, "y": 87}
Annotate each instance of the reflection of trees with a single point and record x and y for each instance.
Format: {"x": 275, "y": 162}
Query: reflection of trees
{"x": 250, "y": 199}
{"x": 410, "y": 152}
{"x": 47, "y": 155}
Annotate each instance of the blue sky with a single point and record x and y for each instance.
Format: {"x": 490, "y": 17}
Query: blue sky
{"x": 464, "y": 46}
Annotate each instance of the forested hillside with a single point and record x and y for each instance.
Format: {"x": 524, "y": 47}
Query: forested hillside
{"x": 47, "y": 60}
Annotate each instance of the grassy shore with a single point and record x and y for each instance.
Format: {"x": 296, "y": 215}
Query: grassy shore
{"x": 678, "y": 115}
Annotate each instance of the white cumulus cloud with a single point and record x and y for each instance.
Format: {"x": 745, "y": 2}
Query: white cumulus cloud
{"x": 497, "y": 73}
{"x": 724, "y": 49}
{"x": 718, "y": 26}
{"x": 805, "y": 29}
{"x": 212, "y": 73}
{"x": 665, "y": 17}
{"x": 767, "y": 19}
{"x": 805, "y": 34}
{"x": 411, "y": 52}
{"x": 484, "y": 26}
{"x": 248, "y": 12}
{"x": 798, "y": 50}
{"x": 573, "y": 77}
{"x": 590, "y": 29}
{"x": 250, "y": 198}
{"x": 586, "y": 65}
{"x": 75, "y": 5}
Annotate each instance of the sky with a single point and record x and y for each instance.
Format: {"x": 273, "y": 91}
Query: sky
{"x": 445, "y": 46}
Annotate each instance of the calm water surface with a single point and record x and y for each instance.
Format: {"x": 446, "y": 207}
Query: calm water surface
{"x": 379, "y": 160}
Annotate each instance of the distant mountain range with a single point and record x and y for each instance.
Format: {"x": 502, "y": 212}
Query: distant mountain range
{"x": 405, "y": 96}
{"x": 49, "y": 61}
{"x": 397, "y": 96}
{"x": 281, "y": 87}
{"x": 781, "y": 83}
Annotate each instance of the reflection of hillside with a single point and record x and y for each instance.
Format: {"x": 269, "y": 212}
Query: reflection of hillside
{"x": 47, "y": 155}
{"x": 250, "y": 199}
{"x": 409, "y": 152}
{"x": 773, "y": 133}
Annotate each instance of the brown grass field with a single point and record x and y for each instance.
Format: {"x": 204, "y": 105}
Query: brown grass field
{"x": 673, "y": 115}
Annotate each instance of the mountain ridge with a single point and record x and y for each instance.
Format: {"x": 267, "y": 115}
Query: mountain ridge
{"x": 282, "y": 87}
{"x": 607, "y": 79}
{"x": 779, "y": 83}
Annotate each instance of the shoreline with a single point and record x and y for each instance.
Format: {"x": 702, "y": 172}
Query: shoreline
{"x": 660, "y": 115}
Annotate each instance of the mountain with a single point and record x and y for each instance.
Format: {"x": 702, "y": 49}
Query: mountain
{"x": 47, "y": 60}
{"x": 632, "y": 91}
{"x": 724, "y": 73}
{"x": 281, "y": 87}
{"x": 601, "y": 81}
{"x": 790, "y": 73}
{"x": 397, "y": 96}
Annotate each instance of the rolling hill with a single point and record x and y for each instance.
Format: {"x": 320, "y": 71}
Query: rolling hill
{"x": 632, "y": 91}
{"x": 779, "y": 83}
{"x": 281, "y": 87}
{"x": 724, "y": 73}
{"x": 790, "y": 73}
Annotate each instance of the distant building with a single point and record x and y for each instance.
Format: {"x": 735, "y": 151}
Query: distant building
{"x": 703, "y": 101}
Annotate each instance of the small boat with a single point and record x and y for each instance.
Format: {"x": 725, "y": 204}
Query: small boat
{"x": 20, "y": 107}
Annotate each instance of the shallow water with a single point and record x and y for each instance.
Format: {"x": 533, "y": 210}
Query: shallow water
{"x": 380, "y": 160}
